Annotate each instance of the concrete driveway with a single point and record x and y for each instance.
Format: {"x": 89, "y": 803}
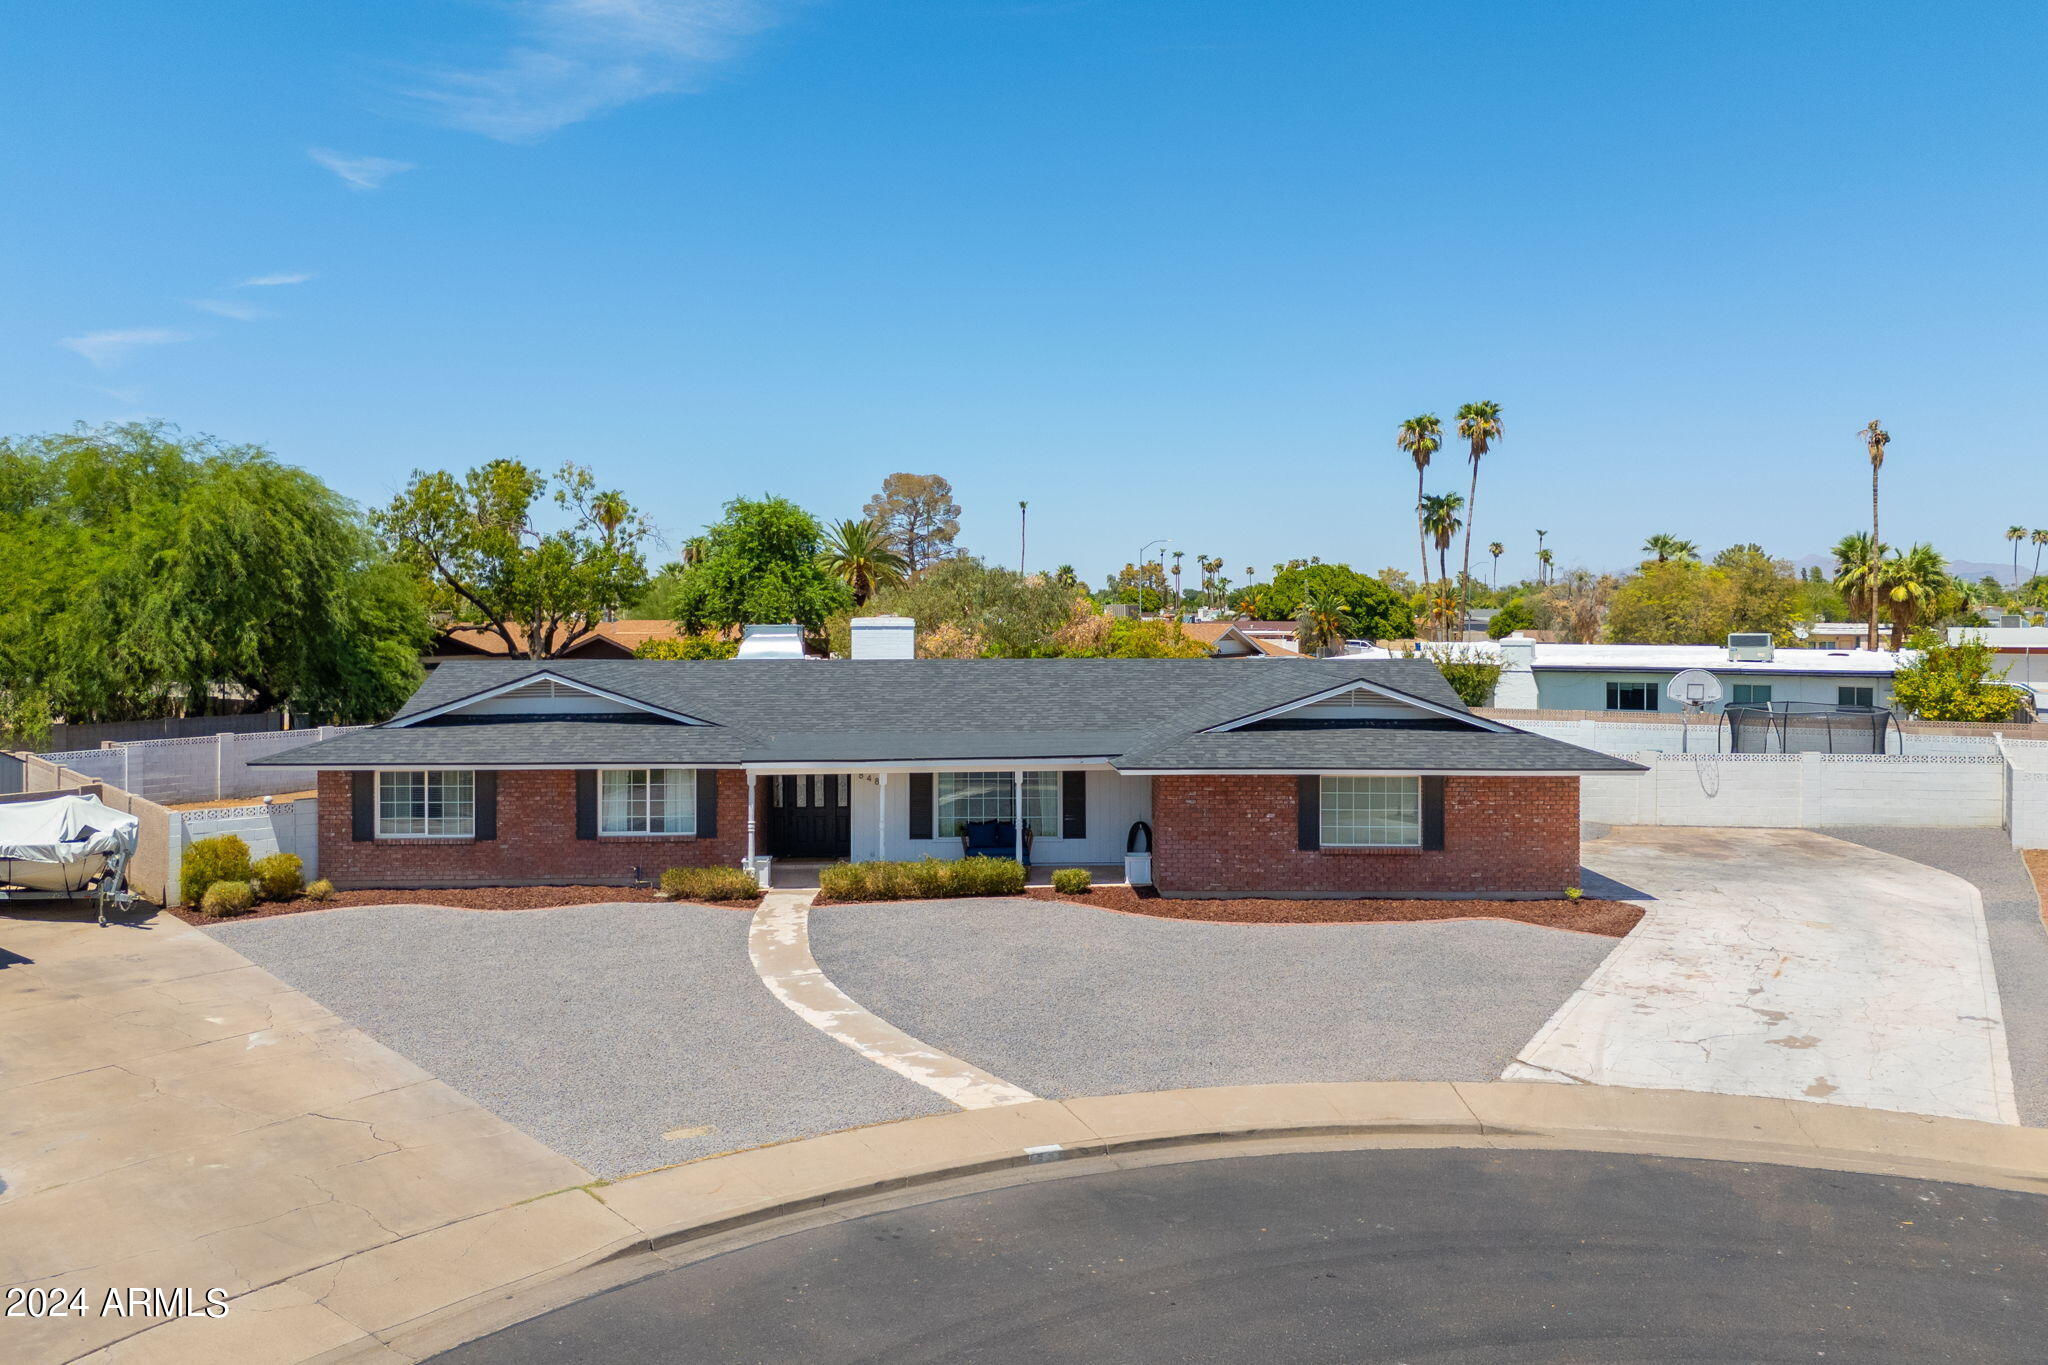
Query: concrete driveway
{"x": 1067, "y": 1000}
{"x": 1785, "y": 963}
{"x": 171, "y": 1116}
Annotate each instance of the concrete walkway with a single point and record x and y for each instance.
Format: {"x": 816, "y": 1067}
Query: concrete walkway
{"x": 780, "y": 946}
{"x": 1785, "y": 963}
{"x": 173, "y": 1116}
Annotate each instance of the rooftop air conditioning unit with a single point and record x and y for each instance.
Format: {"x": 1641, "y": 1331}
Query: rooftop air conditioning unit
{"x": 1749, "y": 648}
{"x": 2011, "y": 622}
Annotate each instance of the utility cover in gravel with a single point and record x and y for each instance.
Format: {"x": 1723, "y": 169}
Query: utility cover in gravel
{"x": 597, "y": 1029}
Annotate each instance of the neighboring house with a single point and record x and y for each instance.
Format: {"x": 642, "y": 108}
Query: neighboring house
{"x": 1323, "y": 777}
{"x": 1228, "y": 640}
{"x": 2022, "y": 652}
{"x": 1846, "y": 635}
{"x": 1539, "y": 676}
{"x": 608, "y": 640}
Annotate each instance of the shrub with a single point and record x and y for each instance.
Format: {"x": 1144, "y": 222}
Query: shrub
{"x": 279, "y": 877}
{"x": 227, "y": 898}
{"x": 1071, "y": 881}
{"x": 709, "y": 884}
{"x": 223, "y": 858}
{"x": 320, "y": 890}
{"x": 926, "y": 879}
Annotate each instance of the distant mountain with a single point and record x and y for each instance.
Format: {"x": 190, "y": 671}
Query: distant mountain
{"x": 1960, "y": 568}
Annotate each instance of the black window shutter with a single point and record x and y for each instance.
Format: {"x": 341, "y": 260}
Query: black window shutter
{"x": 362, "y": 806}
{"x": 1074, "y": 805}
{"x": 486, "y": 806}
{"x": 1308, "y": 822}
{"x": 586, "y": 803}
{"x": 1432, "y": 812}
{"x": 707, "y": 803}
{"x": 920, "y": 805}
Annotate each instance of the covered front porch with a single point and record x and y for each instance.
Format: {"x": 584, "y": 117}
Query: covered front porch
{"x": 1077, "y": 814}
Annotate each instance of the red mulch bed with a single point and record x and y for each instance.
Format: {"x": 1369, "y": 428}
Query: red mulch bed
{"x": 463, "y": 898}
{"x": 1610, "y": 919}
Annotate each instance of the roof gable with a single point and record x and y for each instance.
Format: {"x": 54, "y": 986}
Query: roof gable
{"x": 545, "y": 692}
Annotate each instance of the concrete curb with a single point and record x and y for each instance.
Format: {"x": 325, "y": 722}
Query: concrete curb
{"x": 410, "y": 1299}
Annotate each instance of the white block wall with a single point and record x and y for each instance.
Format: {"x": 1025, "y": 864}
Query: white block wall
{"x": 204, "y": 768}
{"x": 1811, "y": 791}
{"x": 281, "y": 827}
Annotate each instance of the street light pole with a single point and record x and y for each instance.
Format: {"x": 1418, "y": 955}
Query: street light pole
{"x": 1140, "y": 567}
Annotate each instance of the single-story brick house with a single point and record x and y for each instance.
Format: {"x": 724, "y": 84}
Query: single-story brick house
{"x": 1303, "y": 777}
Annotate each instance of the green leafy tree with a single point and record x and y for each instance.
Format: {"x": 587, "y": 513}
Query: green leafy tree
{"x": 918, "y": 514}
{"x": 484, "y": 560}
{"x": 148, "y": 573}
{"x": 1511, "y": 618}
{"x": 1376, "y": 611}
{"x": 1472, "y": 674}
{"x": 708, "y": 645}
{"x": 1145, "y": 585}
{"x": 860, "y": 555}
{"x": 1959, "y": 682}
{"x": 1154, "y": 639}
{"x": 760, "y": 565}
{"x": 965, "y": 608}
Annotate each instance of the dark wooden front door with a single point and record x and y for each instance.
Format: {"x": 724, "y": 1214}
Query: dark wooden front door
{"x": 810, "y": 816}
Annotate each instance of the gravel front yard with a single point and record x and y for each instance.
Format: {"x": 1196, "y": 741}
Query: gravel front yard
{"x": 597, "y": 1029}
{"x": 1068, "y": 1000}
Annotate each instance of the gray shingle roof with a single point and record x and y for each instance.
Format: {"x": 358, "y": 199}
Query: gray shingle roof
{"x": 1141, "y": 713}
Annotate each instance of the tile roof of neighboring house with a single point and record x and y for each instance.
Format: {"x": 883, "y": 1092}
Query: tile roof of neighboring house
{"x": 623, "y": 634}
{"x": 1139, "y": 714}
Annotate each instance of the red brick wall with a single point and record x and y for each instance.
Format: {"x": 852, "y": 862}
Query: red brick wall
{"x": 536, "y": 843}
{"x": 1239, "y": 834}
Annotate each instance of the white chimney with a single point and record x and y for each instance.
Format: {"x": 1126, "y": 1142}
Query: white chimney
{"x": 884, "y": 637}
{"x": 772, "y": 642}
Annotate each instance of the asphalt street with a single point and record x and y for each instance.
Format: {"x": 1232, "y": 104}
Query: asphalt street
{"x": 1413, "y": 1255}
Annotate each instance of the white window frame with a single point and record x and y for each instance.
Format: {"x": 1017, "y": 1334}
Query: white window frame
{"x": 686, "y": 776}
{"x": 427, "y": 778}
{"x": 944, "y": 826}
{"x": 1324, "y": 792}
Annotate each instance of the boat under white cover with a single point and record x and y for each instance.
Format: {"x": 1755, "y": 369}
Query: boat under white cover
{"x": 63, "y": 843}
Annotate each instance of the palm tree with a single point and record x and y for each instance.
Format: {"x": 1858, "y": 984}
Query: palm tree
{"x": 1875, "y": 439}
{"x": 2017, "y": 535}
{"x": 1323, "y": 621}
{"x": 1496, "y": 549}
{"x": 1440, "y": 521}
{"x": 1912, "y": 584}
{"x": 1543, "y": 558}
{"x": 860, "y": 555}
{"x": 610, "y": 511}
{"x": 1857, "y": 568}
{"x": 1421, "y": 437}
{"x": 1541, "y": 562}
{"x": 1670, "y": 547}
{"x": 1480, "y": 425}
{"x": 2039, "y": 538}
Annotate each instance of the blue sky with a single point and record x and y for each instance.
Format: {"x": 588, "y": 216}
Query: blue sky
{"x": 1163, "y": 267}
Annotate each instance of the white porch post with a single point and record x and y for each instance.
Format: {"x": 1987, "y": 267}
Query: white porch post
{"x": 882, "y": 817}
{"x": 1017, "y": 810}
{"x": 753, "y": 784}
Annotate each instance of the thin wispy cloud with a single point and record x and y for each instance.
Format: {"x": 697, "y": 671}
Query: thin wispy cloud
{"x": 110, "y": 348}
{"x": 232, "y": 308}
{"x": 272, "y": 281}
{"x": 360, "y": 172}
{"x": 578, "y": 58}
